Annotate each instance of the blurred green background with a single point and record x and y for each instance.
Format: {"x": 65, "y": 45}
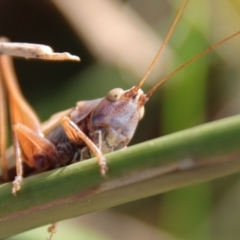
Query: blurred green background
{"x": 116, "y": 41}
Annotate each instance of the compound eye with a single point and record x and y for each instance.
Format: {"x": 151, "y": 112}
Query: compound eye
{"x": 114, "y": 94}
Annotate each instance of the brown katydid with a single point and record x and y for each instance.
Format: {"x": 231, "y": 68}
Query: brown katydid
{"x": 93, "y": 127}
{"x": 101, "y": 125}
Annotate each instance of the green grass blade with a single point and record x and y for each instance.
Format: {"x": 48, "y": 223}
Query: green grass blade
{"x": 181, "y": 159}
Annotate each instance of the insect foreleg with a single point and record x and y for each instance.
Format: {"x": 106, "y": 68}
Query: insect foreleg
{"x": 76, "y": 135}
{"x": 98, "y": 135}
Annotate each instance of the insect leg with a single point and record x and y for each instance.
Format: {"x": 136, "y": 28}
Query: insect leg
{"x": 76, "y": 135}
{"x": 82, "y": 153}
{"x": 3, "y": 131}
{"x": 36, "y": 150}
{"x": 19, "y": 166}
{"x": 27, "y": 135}
{"x": 98, "y": 134}
{"x": 52, "y": 230}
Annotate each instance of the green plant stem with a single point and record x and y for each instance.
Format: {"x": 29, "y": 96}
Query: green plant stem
{"x": 188, "y": 157}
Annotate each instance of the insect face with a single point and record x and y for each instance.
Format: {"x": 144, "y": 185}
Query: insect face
{"x": 116, "y": 117}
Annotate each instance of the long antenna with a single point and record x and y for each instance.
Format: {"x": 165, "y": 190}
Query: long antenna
{"x": 164, "y": 43}
{"x": 148, "y": 95}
